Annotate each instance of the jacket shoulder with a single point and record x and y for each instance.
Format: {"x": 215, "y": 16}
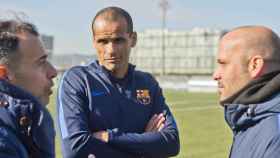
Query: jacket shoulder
{"x": 271, "y": 125}
{"x": 80, "y": 71}
{"x": 145, "y": 77}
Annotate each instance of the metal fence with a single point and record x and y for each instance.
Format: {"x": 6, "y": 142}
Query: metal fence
{"x": 176, "y": 65}
{"x": 180, "y": 52}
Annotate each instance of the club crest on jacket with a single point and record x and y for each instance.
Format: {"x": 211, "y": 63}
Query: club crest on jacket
{"x": 143, "y": 96}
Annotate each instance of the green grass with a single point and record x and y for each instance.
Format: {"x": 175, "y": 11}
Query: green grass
{"x": 203, "y": 132}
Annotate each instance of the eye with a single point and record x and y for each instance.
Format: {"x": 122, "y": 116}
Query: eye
{"x": 221, "y": 62}
{"x": 102, "y": 41}
{"x": 42, "y": 62}
{"x": 119, "y": 40}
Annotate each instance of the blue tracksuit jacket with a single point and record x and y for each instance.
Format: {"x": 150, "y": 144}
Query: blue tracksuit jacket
{"x": 256, "y": 129}
{"x": 19, "y": 139}
{"x": 90, "y": 100}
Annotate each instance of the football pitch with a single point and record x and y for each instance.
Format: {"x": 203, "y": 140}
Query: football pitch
{"x": 203, "y": 132}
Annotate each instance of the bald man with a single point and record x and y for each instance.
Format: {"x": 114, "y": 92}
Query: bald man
{"x": 248, "y": 76}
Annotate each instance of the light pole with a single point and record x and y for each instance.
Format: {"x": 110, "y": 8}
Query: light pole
{"x": 164, "y": 6}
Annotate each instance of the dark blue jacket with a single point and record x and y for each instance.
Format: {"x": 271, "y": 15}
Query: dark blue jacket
{"x": 90, "y": 100}
{"x": 256, "y": 129}
{"x": 26, "y": 127}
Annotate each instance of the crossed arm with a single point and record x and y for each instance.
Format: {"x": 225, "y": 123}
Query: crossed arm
{"x": 160, "y": 138}
{"x": 155, "y": 124}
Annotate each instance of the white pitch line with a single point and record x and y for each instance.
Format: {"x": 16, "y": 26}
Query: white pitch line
{"x": 187, "y": 102}
{"x": 196, "y": 108}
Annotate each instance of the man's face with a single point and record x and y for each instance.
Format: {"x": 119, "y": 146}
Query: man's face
{"x": 113, "y": 44}
{"x": 33, "y": 72}
{"x": 232, "y": 70}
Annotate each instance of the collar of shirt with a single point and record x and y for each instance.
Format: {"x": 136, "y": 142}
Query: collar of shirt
{"x": 119, "y": 83}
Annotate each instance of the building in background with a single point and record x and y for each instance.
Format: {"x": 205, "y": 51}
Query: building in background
{"x": 177, "y": 52}
{"x": 48, "y": 42}
{"x": 186, "y": 59}
{"x": 65, "y": 61}
{"x": 159, "y": 52}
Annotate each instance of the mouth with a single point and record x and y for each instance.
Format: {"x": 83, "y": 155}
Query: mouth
{"x": 50, "y": 92}
{"x": 49, "y": 89}
{"x": 220, "y": 88}
{"x": 113, "y": 60}
{"x": 220, "y": 85}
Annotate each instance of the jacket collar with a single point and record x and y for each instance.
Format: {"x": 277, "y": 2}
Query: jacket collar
{"x": 256, "y": 91}
{"x": 240, "y": 116}
{"x": 258, "y": 100}
{"x": 124, "y": 81}
{"x": 19, "y": 103}
{"x": 14, "y": 91}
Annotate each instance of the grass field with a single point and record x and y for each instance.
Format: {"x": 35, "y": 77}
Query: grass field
{"x": 203, "y": 132}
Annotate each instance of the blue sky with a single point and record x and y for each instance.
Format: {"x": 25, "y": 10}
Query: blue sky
{"x": 69, "y": 20}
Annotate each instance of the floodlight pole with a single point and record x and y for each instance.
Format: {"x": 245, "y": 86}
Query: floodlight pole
{"x": 164, "y": 5}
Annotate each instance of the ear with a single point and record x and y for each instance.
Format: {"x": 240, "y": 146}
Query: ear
{"x": 3, "y": 72}
{"x": 256, "y": 66}
{"x": 134, "y": 39}
{"x": 6, "y": 74}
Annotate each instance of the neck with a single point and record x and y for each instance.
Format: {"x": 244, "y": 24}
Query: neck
{"x": 120, "y": 73}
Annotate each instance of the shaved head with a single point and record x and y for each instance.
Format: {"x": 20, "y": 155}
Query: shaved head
{"x": 255, "y": 40}
{"x": 245, "y": 53}
{"x": 113, "y": 14}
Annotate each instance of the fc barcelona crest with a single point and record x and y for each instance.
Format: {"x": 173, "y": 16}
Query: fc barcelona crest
{"x": 143, "y": 96}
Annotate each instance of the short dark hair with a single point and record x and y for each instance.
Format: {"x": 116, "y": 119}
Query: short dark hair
{"x": 9, "y": 41}
{"x": 115, "y": 13}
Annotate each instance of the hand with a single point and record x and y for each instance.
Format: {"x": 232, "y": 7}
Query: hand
{"x": 156, "y": 123}
{"x": 102, "y": 135}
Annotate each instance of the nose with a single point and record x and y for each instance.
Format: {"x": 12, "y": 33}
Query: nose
{"x": 52, "y": 72}
{"x": 111, "y": 48}
{"x": 216, "y": 75}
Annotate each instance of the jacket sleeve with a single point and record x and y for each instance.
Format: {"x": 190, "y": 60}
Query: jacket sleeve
{"x": 73, "y": 112}
{"x": 155, "y": 144}
{"x": 273, "y": 148}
